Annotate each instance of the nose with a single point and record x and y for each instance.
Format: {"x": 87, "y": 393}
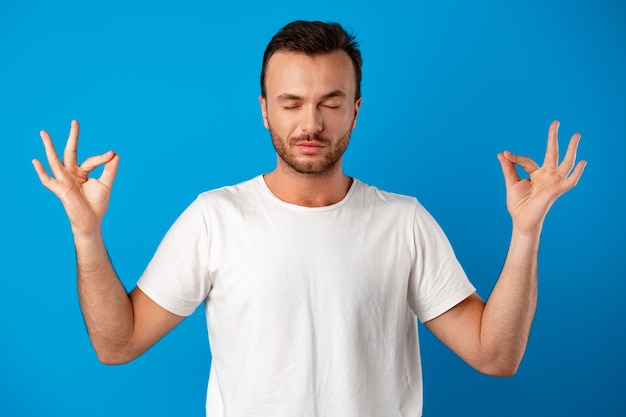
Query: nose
{"x": 312, "y": 120}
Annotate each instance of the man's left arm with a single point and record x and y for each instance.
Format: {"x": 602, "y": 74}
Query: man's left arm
{"x": 492, "y": 336}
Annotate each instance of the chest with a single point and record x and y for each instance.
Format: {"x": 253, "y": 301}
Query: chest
{"x": 350, "y": 261}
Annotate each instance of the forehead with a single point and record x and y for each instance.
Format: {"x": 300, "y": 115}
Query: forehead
{"x": 304, "y": 75}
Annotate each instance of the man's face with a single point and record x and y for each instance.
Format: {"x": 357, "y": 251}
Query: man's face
{"x": 310, "y": 109}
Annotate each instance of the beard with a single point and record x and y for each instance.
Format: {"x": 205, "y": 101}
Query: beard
{"x": 311, "y": 164}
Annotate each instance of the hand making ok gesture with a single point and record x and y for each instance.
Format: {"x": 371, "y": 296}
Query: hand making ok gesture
{"x": 85, "y": 199}
{"x": 528, "y": 200}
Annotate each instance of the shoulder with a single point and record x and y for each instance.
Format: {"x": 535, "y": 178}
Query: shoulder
{"x": 400, "y": 206}
{"x": 237, "y": 195}
{"x": 372, "y": 195}
{"x": 222, "y": 201}
{"x": 228, "y": 192}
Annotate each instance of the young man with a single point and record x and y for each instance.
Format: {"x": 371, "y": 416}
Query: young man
{"x": 312, "y": 280}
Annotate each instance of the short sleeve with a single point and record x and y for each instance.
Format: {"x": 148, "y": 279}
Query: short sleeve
{"x": 437, "y": 281}
{"x": 177, "y": 277}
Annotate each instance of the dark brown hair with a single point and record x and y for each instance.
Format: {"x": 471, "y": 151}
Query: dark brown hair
{"x": 314, "y": 38}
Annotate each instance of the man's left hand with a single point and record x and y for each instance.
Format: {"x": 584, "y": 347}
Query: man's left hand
{"x": 528, "y": 200}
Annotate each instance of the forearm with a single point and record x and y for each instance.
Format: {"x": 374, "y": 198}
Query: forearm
{"x": 510, "y": 309}
{"x": 492, "y": 336}
{"x": 105, "y": 304}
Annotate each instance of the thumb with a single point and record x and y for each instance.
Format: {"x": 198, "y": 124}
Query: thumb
{"x": 508, "y": 170}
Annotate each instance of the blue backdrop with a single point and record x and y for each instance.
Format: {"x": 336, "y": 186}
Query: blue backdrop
{"x": 172, "y": 87}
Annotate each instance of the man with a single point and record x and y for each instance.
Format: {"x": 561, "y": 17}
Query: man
{"x": 312, "y": 280}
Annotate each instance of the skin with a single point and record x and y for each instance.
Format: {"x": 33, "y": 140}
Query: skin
{"x": 121, "y": 326}
{"x": 312, "y": 98}
{"x": 310, "y": 110}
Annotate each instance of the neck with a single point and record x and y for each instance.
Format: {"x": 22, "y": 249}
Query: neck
{"x": 309, "y": 190}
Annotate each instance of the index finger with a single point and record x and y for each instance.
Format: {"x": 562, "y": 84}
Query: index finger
{"x": 69, "y": 154}
{"x": 51, "y": 154}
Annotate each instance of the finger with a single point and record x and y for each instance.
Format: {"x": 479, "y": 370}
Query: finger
{"x": 93, "y": 162}
{"x": 110, "y": 171}
{"x": 51, "y": 154}
{"x": 525, "y": 162}
{"x": 69, "y": 154}
{"x": 571, "y": 181}
{"x": 508, "y": 170}
{"x": 551, "y": 159}
{"x": 570, "y": 156}
{"x": 42, "y": 174}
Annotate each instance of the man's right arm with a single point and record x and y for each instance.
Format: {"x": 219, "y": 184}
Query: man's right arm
{"x": 121, "y": 326}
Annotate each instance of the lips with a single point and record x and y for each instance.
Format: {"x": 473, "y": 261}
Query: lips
{"x": 310, "y": 148}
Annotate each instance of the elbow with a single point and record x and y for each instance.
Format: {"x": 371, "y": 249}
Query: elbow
{"x": 111, "y": 361}
{"x": 502, "y": 365}
{"x": 109, "y": 357}
{"x": 115, "y": 351}
{"x": 502, "y": 370}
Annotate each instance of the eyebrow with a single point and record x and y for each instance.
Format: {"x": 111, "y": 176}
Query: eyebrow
{"x": 335, "y": 93}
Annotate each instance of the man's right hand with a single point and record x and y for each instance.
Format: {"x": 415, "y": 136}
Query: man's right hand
{"x": 85, "y": 199}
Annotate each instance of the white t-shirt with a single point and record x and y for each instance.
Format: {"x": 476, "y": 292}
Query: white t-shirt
{"x": 311, "y": 311}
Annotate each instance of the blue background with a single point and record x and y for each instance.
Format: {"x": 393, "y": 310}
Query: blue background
{"x": 172, "y": 87}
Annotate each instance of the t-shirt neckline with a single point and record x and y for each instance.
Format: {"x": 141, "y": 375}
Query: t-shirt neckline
{"x": 265, "y": 189}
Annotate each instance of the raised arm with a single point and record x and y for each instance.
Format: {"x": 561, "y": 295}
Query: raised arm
{"x": 121, "y": 326}
{"x": 492, "y": 336}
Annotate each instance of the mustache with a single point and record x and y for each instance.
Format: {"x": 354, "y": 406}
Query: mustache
{"x": 310, "y": 137}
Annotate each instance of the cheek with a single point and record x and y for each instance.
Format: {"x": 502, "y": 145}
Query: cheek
{"x": 339, "y": 121}
{"x": 284, "y": 124}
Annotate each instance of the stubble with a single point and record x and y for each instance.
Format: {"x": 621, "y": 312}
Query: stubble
{"x": 310, "y": 164}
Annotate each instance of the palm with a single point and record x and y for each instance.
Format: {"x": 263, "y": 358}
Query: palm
{"x": 97, "y": 195}
{"x": 85, "y": 199}
{"x": 528, "y": 200}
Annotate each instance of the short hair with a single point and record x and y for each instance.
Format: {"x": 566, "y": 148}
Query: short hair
{"x": 314, "y": 38}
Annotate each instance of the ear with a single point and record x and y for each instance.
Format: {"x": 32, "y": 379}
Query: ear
{"x": 263, "y": 103}
{"x": 357, "y": 106}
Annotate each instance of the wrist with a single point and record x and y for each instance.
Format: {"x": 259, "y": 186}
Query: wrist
{"x": 525, "y": 239}
{"x": 527, "y": 232}
{"x": 86, "y": 235}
